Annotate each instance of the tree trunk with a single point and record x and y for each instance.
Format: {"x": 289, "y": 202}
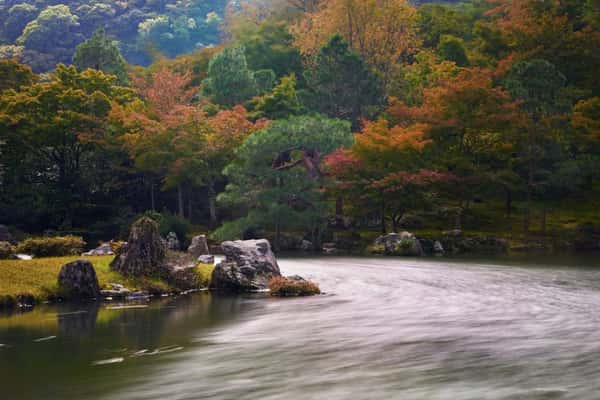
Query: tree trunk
{"x": 544, "y": 218}
{"x": 508, "y": 203}
{"x": 339, "y": 208}
{"x": 212, "y": 203}
{"x": 180, "y": 200}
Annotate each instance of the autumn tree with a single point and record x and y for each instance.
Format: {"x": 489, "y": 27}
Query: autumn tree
{"x": 381, "y": 32}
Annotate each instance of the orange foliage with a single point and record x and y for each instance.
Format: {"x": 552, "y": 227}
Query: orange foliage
{"x": 381, "y": 31}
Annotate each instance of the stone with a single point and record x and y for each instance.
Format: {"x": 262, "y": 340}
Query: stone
{"x": 249, "y": 265}
{"x": 206, "y": 259}
{"x": 144, "y": 254}
{"x": 199, "y": 246}
{"x": 78, "y": 280}
{"x": 6, "y": 236}
{"x": 104, "y": 249}
{"x": 400, "y": 244}
{"x": 173, "y": 242}
{"x": 438, "y": 248}
{"x": 306, "y": 245}
{"x": 24, "y": 257}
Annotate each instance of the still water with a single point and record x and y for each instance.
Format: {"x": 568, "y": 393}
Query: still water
{"x": 385, "y": 329}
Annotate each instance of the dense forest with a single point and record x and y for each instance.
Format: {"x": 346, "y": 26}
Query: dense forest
{"x": 300, "y": 116}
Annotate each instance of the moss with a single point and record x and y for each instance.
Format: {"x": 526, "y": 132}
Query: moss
{"x": 286, "y": 287}
{"x": 205, "y": 273}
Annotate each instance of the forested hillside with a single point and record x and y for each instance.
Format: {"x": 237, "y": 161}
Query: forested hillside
{"x": 43, "y": 33}
{"x": 310, "y": 118}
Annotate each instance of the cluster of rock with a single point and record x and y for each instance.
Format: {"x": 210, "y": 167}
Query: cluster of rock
{"x": 451, "y": 242}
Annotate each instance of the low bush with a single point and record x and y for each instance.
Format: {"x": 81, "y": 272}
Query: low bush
{"x": 52, "y": 246}
{"x": 288, "y": 287}
{"x": 7, "y": 250}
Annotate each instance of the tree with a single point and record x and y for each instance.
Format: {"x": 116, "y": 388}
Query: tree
{"x": 385, "y": 172}
{"x": 452, "y": 49}
{"x": 277, "y": 176}
{"x": 49, "y": 129}
{"x": 538, "y": 85}
{"x": 382, "y": 32}
{"x": 229, "y": 81}
{"x": 341, "y": 85}
{"x": 101, "y": 53}
{"x": 281, "y": 103}
{"x": 14, "y": 75}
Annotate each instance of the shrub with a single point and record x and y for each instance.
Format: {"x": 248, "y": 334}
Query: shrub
{"x": 52, "y": 246}
{"x": 292, "y": 287}
{"x": 7, "y": 250}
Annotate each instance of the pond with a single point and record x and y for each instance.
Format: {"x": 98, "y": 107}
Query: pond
{"x": 432, "y": 328}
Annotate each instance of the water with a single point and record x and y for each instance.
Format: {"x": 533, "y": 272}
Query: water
{"x": 386, "y": 329}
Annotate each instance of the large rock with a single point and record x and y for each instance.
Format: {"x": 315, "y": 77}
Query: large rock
{"x": 6, "y": 236}
{"x": 77, "y": 280}
{"x": 399, "y": 244}
{"x": 199, "y": 246}
{"x": 145, "y": 252}
{"x": 249, "y": 265}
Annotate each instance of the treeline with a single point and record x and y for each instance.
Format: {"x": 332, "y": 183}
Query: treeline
{"x": 43, "y": 33}
{"x": 315, "y": 115}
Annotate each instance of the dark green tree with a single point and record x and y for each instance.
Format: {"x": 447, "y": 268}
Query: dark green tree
{"x": 341, "y": 84}
{"x": 277, "y": 176}
{"x": 229, "y": 81}
{"x": 101, "y": 53}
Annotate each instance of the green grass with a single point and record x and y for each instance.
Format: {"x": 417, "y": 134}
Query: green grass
{"x": 38, "y": 277}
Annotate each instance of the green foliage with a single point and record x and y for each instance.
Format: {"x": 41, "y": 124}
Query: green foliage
{"x": 229, "y": 80}
{"x": 101, "y": 53}
{"x": 277, "y": 175}
{"x": 269, "y": 46}
{"x": 52, "y": 246}
{"x": 452, "y": 49}
{"x": 281, "y": 103}
{"x": 341, "y": 85}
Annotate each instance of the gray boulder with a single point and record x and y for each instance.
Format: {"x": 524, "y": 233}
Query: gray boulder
{"x": 438, "y": 248}
{"x": 206, "y": 259}
{"x": 103, "y": 250}
{"x": 248, "y": 266}
{"x": 400, "y": 244}
{"x": 199, "y": 246}
{"x": 78, "y": 280}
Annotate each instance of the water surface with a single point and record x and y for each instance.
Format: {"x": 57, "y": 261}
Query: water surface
{"x": 386, "y": 329}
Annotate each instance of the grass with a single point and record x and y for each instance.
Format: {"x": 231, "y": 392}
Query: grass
{"x": 38, "y": 277}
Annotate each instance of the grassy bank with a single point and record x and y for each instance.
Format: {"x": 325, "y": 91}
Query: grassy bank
{"x": 38, "y": 277}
